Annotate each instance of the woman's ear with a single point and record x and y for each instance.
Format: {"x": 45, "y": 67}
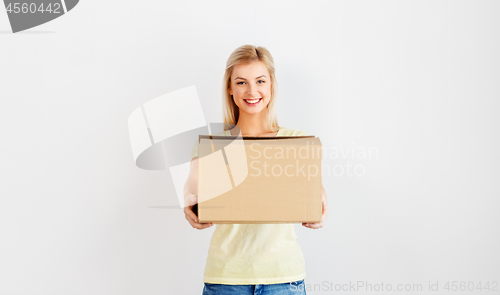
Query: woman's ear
{"x": 230, "y": 91}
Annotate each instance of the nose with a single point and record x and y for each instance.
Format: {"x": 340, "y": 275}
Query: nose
{"x": 252, "y": 91}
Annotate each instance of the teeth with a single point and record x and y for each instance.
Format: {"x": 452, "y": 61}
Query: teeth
{"x": 252, "y": 100}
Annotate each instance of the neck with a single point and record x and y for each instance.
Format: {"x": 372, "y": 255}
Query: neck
{"x": 253, "y": 124}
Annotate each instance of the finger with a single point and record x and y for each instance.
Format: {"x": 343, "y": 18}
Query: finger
{"x": 307, "y": 224}
{"x": 189, "y": 213}
{"x": 203, "y": 225}
{"x": 198, "y": 225}
{"x": 315, "y": 225}
{"x": 193, "y": 220}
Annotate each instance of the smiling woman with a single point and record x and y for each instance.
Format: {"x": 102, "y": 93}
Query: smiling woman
{"x": 250, "y": 258}
{"x": 250, "y": 91}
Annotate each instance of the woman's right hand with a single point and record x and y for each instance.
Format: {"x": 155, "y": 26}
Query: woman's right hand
{"x": 191, "y": 200}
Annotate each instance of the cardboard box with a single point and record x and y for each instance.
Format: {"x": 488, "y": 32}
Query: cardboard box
{"x": 259, "y": 179}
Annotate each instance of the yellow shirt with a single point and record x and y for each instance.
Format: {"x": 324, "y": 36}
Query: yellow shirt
{"x": 241, "y": 254}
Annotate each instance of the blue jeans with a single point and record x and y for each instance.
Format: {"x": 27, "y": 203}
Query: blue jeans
{"x": 291, "y": 288}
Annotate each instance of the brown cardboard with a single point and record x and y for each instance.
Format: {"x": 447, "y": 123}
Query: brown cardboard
{"x": 259, "y": 179}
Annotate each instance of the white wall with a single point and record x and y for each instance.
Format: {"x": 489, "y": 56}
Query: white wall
{"x": 416, "y": 81}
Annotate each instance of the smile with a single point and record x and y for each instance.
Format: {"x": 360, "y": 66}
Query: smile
{"x": 253, "y": 101}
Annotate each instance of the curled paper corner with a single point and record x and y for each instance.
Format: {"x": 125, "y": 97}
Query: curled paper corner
{"x": 167, "y": 116}
{"x": 24, "y": 15}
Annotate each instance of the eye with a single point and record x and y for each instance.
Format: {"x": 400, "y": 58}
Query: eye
{"x": 239, "y": 83}
{"x": 261, "y": 81}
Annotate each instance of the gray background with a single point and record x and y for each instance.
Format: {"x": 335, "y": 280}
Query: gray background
{"x": 417, "y": 80}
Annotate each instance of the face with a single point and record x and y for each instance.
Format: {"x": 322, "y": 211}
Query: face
{"x": 251, "y": 87}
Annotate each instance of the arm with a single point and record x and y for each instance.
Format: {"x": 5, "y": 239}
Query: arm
{"x": 324, "y": 201}
{"x": 191, "y": 196}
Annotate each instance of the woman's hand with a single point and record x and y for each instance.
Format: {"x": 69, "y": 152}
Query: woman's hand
{"x": 191, "y": 200}
{"x": 320, "y": 224}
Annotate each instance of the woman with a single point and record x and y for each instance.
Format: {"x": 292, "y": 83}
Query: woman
{"x": 248, "y": 258}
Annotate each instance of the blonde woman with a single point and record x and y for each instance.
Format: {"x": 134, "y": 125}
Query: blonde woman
{"x": 250, "y": 258}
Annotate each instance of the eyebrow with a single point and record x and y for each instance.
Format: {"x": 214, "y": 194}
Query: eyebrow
{"x": 245, "y": 79}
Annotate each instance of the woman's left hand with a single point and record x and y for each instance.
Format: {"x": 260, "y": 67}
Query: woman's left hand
{"x": 320, "y": 224}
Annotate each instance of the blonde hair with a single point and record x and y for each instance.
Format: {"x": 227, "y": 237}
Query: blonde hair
{"x": 242, "y": 55}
